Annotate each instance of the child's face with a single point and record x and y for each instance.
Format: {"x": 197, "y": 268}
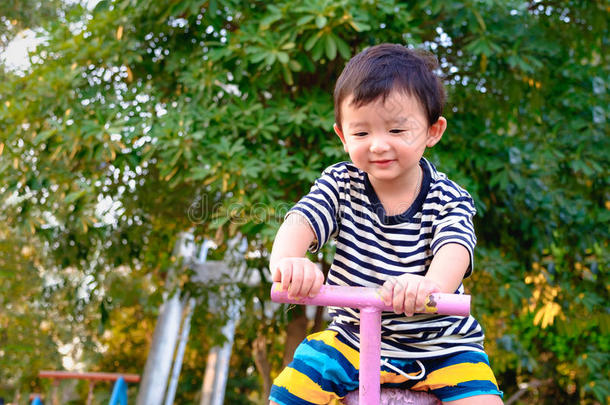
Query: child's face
{"x": 387, "y": 139}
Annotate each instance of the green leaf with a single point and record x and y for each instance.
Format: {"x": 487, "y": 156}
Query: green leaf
{"x": 287, "y": 76}
{"x": 343, "y": 47}
{"x": 270, "y": 19}
{"x": 359, "y": 26}
{"x": 74, "y": 196}
{"x": 313, "y": 39}
{"x": 318, "y": 49}
{"x": 321, "y": 21}
{"x": 270, "y": 59}
{"x": 258, "y": 57}
{"x": 213, "y": 6}
{"x": 331, "y": 47}
{"x": 305, "y": 19}
{"x": 43, "y": 136}
{"x": 283, "y": 57}
{"x": 295, "y": 66}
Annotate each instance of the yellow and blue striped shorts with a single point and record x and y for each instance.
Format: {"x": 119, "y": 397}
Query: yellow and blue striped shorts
{"x": 325, "y": 368}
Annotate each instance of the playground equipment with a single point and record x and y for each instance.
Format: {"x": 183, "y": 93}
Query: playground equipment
{"x": 119, "y": 392}
{"x": 160, "y": 377}
{"x": 162, "y": 370}
{"x": 371, "y": 306}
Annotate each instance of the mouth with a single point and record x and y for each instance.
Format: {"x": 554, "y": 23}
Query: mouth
{"x": 383, "y": 161}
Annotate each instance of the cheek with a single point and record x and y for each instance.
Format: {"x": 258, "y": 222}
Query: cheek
{"x": 358, "y": 148}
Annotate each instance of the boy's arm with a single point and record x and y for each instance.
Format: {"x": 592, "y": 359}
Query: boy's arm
{"x": 292, "y": 239}
{"x": 452, "y": 245}
{"x": 408, "y": 293}
{"x": 448, "y": 267}
{"x": 288, "y": 264}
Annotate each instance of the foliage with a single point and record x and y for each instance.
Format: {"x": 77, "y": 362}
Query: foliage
{"x": 139, "y": 119}
{"x": 26, "y": 335}
{"x": 19, "y": 15}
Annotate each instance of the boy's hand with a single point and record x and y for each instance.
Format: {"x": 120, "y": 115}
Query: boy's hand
{"x": 299, "y": 275}
{"x": 407, "y": 293}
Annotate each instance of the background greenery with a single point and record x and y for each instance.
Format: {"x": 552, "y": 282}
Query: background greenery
{"x": 216, "y": 115}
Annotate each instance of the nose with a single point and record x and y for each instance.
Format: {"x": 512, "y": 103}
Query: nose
{"x": 379, "y": 144}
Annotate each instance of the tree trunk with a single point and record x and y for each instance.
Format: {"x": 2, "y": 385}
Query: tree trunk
{"x": 296, "y": 331}
{"x": 259, "y": 350}
{"x": 318, "y": 321}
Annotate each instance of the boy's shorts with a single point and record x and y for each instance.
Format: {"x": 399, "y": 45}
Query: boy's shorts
{"x": 325, "y": 369}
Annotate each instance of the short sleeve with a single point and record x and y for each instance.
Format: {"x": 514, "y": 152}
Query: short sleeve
{"x": 320, "y": 208}
{"x": 454, "y": 225}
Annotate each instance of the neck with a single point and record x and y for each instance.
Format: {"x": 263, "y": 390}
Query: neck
{"x": 404, "y": 190}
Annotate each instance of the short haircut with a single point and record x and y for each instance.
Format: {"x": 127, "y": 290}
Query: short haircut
{"x": 378, "y": 70}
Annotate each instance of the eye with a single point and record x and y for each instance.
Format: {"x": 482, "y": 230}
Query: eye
{"x": 358, "y": 134}
{"x": 397, "y": 131}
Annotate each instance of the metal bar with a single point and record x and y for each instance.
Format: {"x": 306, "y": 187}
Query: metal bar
{"x": 224, "y": 355}
{"x": 207, "y": 388}
{"x": 55, "y": 397}
{"x": 161, "y": 354}
{"x": 63, "y": 375}
{"x": 184, "y": 336}
{"x": 90, "y": 393}
{"x": 370, "y": 351}
{"x": 219, "y": 357}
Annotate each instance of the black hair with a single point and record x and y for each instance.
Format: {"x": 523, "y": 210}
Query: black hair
{"x": 378, "y": 70}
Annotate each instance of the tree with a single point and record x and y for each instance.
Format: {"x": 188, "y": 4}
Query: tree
{"x": 217, "y": 115}
{"x": 17, "y": 16}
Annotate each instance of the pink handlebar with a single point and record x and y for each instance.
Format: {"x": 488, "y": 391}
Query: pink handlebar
{"x": 371, "y": 305}
{"x": 365, "y": 297}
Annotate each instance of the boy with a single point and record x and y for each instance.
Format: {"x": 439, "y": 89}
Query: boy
{"x": 399, "y": 225}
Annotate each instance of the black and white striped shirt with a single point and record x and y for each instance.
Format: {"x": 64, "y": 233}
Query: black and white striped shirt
{"x": 373, "y": 247}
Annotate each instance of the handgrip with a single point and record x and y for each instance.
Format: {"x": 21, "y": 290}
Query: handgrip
{"x": 366, "y": 297}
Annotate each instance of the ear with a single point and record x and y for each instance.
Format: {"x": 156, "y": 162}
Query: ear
{"x": 436, "y": 131}
{"x": 341, "y": 136}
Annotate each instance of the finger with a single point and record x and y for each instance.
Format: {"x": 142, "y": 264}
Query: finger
{"x": 385, "y": 291}
{"x": 410, "y": 297}
{"x": 398, "y": 296}
{"x": 433, "y": 290}
{"x": 315, "y": 289}
{"x": 420, "y": 302}
{"x": 276, "y": 275}
{"x": 424, "y": 291}
{"x": 309, "y": 276}
{"x": 286, "y": 274}
{"x": 296, "y": 281}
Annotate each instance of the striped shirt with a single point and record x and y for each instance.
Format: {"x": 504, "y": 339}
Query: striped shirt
{"x": 372, "y": 247}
